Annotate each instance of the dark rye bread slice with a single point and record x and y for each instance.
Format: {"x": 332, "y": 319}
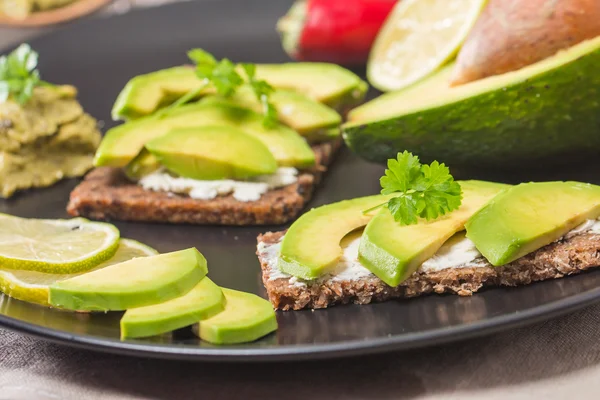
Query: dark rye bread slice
{"x": 559, "y": 259}
{"x": 106, "y": 194}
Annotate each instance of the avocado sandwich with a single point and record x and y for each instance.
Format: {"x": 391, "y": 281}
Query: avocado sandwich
{"x": 427, "y": 233}
{"x": 568, "y": 256}
{"x": 246, "y": 147}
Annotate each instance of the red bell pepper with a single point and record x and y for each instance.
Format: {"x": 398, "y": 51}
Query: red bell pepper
{"x": 339, "y": 31}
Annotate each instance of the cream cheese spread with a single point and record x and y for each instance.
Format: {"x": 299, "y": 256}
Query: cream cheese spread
{"x": 591, "y": 225}
{"x": 456, "y": 252}
{"x": 250, "y": 190}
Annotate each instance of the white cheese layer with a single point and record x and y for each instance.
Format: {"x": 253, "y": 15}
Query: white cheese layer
{"x": 456, "y": 252}
{"x": 250, "y": 190}
{"x": 589, "y": 226}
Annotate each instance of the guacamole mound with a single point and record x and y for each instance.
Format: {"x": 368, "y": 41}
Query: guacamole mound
{"x": 47, "y": 139}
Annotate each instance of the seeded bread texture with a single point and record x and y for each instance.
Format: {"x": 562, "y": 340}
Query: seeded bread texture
{"x": 106, "y": 194}
{"x": 565, "y": 257}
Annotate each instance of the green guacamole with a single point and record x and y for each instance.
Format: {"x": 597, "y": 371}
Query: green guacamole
{"x": 47, "y": 139}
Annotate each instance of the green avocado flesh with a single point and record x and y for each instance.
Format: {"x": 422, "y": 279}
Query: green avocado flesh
{"x": 313, "y": 120}
{"x": 329, "y": 84}
{"x": 393, "y": 251}
{"x": 136, "y": 283}
{"x": 312, "y": 244}
{"x": 212, "y": 152}
{"x": 205, "y": 300}
{"x": 546, "y": 112}
{"x": 246, "y": 318}
{"x": 530, "y": 216}
{"x": 143, "y": 164}
{"x": 123, "y": 143}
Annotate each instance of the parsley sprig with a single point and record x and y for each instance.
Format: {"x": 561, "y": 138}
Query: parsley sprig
{"x": 19, "y": 74}
{"x": 225, "y": 78}
{"x": 424, "y": 191}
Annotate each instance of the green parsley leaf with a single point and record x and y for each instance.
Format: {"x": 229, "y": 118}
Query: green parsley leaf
{"x": 262, "y": 90}
{"x": 19, "y": 74}
{"x": 201, "y": 57}
{"x": 424, "y": 191}
{"x": 224, "y": 77}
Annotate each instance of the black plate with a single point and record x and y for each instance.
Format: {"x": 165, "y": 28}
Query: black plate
{"x": 98, "y": 56}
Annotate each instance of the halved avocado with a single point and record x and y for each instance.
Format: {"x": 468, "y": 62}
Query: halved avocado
{"x": 135, "y": 283}
{"x": 246, "y": 318}
{"x": 545, "y": 113}
{"x": 123, "y": 143}
{"x": 312, "y": 244}
{"x": 329, "y": 84}
{"x": 205, "y": 300}
{"x": 529, "y": 216}
{"x": 212, "y": 152}
{"x": 393, "y": 251}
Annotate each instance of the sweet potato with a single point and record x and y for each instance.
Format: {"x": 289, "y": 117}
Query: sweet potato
{"x": 511, "y": 34}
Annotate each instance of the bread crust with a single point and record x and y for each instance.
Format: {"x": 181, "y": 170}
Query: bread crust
{"x": 106, "y": 194}
{"x": 565, "y": 257}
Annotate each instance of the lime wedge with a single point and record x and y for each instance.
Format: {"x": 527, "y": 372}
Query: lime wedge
{"x": 32, "y": 286}
{"x": 418, "y": 37}
{"x": 55, "y": 246}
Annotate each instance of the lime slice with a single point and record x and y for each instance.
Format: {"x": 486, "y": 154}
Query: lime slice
{"x": 419, "y": 37}
{"x": 32, "y": 286}
{"x": 55, "y": 246}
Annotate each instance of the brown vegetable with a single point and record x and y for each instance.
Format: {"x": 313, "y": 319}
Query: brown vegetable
{"x": 511, "y": 34}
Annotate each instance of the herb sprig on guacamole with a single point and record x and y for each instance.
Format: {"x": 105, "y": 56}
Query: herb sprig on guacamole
{"x": 225, "y": 77}
{"x": 424, "y": 191}
{"x": 19, "y": 74}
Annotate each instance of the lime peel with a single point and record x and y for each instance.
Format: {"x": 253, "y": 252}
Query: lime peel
{"x": 418, "y": 38}
{"x": 55, "y": 246}
{"x": 32, "y": 286}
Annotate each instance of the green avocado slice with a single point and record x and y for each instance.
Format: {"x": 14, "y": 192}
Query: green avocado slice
{"x": 326, "y": 83}
{"x": 143, "y": 164}
{"x": 123, "y": 143}
{"x": 212, "y": 152}
{"x": 135, "y": 283}
{"x": 246, "y": 318}
{"x": 314, "y": 121}
{"x": 393, "y": 251}
{"x": 547, "y": 112}
{"x": 205, "y": 300}
{"x": 312, "y": 244}
{"x": 530, "y": 216}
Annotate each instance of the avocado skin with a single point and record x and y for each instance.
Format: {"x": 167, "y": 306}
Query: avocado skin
{"x": 551, "y": 118}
